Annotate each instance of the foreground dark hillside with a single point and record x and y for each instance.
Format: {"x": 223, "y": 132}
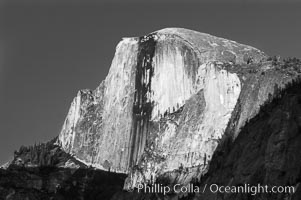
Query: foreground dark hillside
{"x": 44, "y": 171}
{"x": 45, "y": 183}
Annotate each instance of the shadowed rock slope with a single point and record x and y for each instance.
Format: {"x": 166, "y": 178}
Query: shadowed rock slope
{"x": 267, "y": 150}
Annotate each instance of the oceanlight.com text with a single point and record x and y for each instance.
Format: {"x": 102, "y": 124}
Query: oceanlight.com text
{"x": 215, "y": 188}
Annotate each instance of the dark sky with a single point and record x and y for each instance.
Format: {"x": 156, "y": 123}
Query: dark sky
{"x": 48, "y": 51}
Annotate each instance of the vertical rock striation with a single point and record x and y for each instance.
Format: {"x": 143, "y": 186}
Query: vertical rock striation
{"x": 142, "y": 106}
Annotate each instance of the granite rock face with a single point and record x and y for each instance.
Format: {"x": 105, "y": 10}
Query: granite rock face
{"x": 165, "y": 105}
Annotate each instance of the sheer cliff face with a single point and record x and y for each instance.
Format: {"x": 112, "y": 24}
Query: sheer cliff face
{"x": 98, "y": 126}
{"x": 165, "y": 105}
